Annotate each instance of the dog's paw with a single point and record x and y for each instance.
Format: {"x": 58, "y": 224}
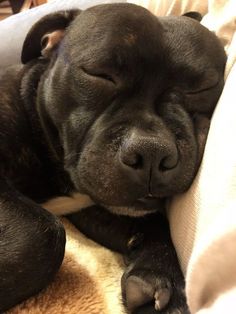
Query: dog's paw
{"x": 145, "y": 291}
{"x": 153, "y": 282}
{"x": 148, "y": 309}
{"x": 143, "y": 287}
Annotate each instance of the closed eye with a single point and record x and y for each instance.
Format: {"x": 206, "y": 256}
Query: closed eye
{"x": 103, "y": 76}
{"x": 207, "y": 81}
{"x": 201, "y": 90}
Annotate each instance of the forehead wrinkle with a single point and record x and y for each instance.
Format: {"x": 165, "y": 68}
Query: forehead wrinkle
{"x": 130, "y": 39}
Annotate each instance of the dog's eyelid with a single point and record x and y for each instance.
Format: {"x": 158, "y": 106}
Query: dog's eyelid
{"x": 210, "y": 80}
{"x": 203, "y": 89}
{"x": 104, "y": 76}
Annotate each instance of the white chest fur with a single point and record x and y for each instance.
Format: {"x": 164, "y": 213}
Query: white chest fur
{"x": 63, "y": 205}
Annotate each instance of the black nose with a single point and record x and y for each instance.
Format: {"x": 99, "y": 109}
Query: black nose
{"x": 149, "y": 158}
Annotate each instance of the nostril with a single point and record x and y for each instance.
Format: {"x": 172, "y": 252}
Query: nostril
{"x": 132, "y": 160}
{"x": 168, "y": 163}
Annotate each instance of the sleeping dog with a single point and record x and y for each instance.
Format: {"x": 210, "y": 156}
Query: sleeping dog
{"x": 114, "y": 104}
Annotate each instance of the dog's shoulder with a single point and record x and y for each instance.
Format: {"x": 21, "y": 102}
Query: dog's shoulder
{"x": 18, "y": 86}
{"x": 11, "y": 116}
{"x": 24, "y": 151}
{"x": 10, "y": 88}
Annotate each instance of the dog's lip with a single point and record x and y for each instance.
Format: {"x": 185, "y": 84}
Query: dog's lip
{"x": 149, "y": 197}
{"x": 150, "y": 202}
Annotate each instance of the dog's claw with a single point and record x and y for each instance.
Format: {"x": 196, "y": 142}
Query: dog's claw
{"x": 139, "y": 292}
{"x": 162, "y": 297}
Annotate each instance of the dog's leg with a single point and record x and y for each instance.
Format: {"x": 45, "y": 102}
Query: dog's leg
{"x": 32, "y": 243}
{"x": 153, "y": 281}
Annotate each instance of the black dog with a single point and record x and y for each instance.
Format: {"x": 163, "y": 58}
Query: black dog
{"x": 114, "y": 103}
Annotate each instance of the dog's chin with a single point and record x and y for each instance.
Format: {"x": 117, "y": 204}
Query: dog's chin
{"x": 129, "y": 211}
{"x": 141, "y": 207}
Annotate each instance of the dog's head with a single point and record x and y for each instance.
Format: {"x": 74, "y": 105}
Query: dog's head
{"x": 128, "y": 97}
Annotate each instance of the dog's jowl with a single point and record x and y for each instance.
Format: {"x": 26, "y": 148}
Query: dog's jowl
{"x": 113, "y": 103}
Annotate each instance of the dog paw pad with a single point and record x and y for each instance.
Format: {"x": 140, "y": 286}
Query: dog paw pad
{"x": 139, "y": 292}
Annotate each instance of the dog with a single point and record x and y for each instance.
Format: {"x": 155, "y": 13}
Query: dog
{"x": 112, "y": 103}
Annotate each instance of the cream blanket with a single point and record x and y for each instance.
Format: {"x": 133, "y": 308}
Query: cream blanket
{"x": 203, "y": 220}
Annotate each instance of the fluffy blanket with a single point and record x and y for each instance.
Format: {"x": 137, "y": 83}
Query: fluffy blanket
{"x": 87, "y": 283}
{"x": 203, "y": 220}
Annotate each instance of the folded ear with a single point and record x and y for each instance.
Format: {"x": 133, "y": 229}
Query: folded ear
{"x": 46, "y": 34}
{"x": 194, "y": 15}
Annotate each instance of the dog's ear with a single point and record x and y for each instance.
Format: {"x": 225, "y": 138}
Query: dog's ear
{"x": 46, "y": 34}
{"x": 194, "y": 15}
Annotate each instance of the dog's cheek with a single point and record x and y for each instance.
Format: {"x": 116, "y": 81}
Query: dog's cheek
{"x": 99, "y": 175}
{"x": 202, "y": 125}
{"x": 96, "y": 173}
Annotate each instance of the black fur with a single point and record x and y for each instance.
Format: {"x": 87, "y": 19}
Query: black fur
{"x": 115, "y": 103}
